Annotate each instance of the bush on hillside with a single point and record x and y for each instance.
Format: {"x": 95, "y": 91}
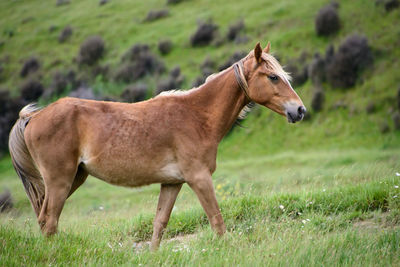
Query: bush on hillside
{"x": 238, "y": 55}
{"x": 9, "y": 110}
{"x": 137, "y": 63}
{"x": 316, "y": 69}
{"x": 353, "y": 55}
{"x": 135, "y": 93}
{"x": 156, "y": 14}
{"x": 83, "y": 92}
{"x": 391, "y": 5}
{"x": 318, "y": 99}
{"x": 65, "y": 34}
{"x": 31, "y": 65}
{"x": 327, "y": 21}
{"x": 173, "y": 2}
{"x": 234, "y": 30}
{"x": 207, "y": 68}
{"x": 299, "y": 74}
{"x": 174, "y": 81}
{"x": 91, "y": 50}
{"x": 103, "y": 2}
{"x": 31, "y": 90}
{"x": 165, "y": 47}
{"x": 204, "y": 35}
{"x": 62, "y": 2}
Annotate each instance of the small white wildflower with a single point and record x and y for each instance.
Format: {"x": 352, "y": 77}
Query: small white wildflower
{"x": 397, "y": 174}
{"x": 101, "y": 208}
{"x": 120, "y": 244}
{"x": 310, "y": 203}
{"x": 395, "y": 196}
{"x": 304, "y": 221}
{"x": 396, "y": 186}
{"x": 308, "y": 220}
{"x": 204, "y": 250}
{"x": 324, "y": 190}
{"x": 281, "y": 207}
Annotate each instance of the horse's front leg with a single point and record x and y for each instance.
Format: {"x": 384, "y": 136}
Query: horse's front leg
{"x": 202, "y": 185}
{"x": 166, "y": 201}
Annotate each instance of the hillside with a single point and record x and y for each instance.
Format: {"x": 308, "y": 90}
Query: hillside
{"x": 322, "y": 191}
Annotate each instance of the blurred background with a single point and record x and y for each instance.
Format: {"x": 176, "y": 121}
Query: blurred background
{"x": 344, "y": 57}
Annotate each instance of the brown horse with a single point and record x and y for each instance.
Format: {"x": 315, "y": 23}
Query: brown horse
{"x": 171, "y": 139}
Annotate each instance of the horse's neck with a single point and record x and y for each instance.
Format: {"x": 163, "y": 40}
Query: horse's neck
{"x": 222, "y": 100}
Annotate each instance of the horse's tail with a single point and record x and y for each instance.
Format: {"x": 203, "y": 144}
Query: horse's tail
{"x": 22, "y": 160}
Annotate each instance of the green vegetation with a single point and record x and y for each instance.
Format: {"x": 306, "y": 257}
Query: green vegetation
{"x": 321, "y": 192}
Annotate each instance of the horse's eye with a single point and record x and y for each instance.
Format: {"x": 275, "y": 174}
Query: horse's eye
{"x": 273, "y": 78}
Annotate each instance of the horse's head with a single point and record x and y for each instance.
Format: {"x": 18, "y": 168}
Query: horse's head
{"x": 268, "y": 84}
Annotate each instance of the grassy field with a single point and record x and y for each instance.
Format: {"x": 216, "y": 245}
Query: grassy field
{"x": 322, "y": 192}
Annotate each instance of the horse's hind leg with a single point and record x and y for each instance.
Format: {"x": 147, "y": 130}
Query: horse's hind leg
{"x": 58, "y": 184}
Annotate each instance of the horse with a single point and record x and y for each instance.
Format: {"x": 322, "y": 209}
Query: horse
{"x": 170, "y": 139}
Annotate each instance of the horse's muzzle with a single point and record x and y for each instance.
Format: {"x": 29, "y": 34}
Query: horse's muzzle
{"x": 295, "y": 114}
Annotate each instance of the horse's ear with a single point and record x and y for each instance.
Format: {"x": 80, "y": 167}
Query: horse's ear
{"x": 267, "y": 48}
{"x": 258, "y": 52}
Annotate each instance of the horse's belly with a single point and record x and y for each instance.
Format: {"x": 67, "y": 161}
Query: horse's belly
{"x": 131, "y": 175}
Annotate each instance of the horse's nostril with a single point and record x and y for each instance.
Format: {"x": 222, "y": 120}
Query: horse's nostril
{"x": 301, "y": 110}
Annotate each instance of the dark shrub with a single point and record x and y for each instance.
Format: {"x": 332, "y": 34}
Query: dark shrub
{"x": 175, "y": 72}
{"x": 62, "y": 2}
{"x": 174, "y": 81}
{"x": 299, "y": 76}
{"x": 52, "y": 28}
{"x": 207, "y": 68}
{"x": 59, "y": 83}
{"x": 92, "y": 49}
{"x": 204, "y": 34}
{"x": 165, "y": 47}
{"x": 391, "y": 4}
{"x": 233, "y": 59}
{"x": 327, "y": 21}
{"x": 135, "y": 93}
{"x": 31, "y": 65}
{"x": 207, "y": 64}
{"x": 65, "y": 34}
{"x": 156, "y": 14}
{"x": 9, "y": 109}
{"x": 31, "y": 90}
{"x": 83, "y": 92}
{"x": 234, "y": 30}
{"x": 316, "y": 69}
{"x": 173, "y": 2}
{"x": 139, "y": 61}
{"x": 102, "y": 71}
{"x": 353, "y": 55}
{"x": 396, "y": 120}
{"x": 6, "y": 201}
{"x": 318, "y": 99}
{"x": 398, "y": 99}
{"x": 103, "y": 2}
{"x": 370, "y": 108}
{"x": 384, "y": 127}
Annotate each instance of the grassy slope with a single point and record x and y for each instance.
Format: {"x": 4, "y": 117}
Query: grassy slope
{"x": 333, "y": 153}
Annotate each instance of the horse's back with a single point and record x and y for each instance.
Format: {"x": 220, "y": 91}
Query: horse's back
{"x": 116, "y": 142}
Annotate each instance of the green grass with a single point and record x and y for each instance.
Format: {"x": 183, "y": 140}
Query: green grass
{"x": 348, "y": 214}
{"x": 321, "y": 192}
